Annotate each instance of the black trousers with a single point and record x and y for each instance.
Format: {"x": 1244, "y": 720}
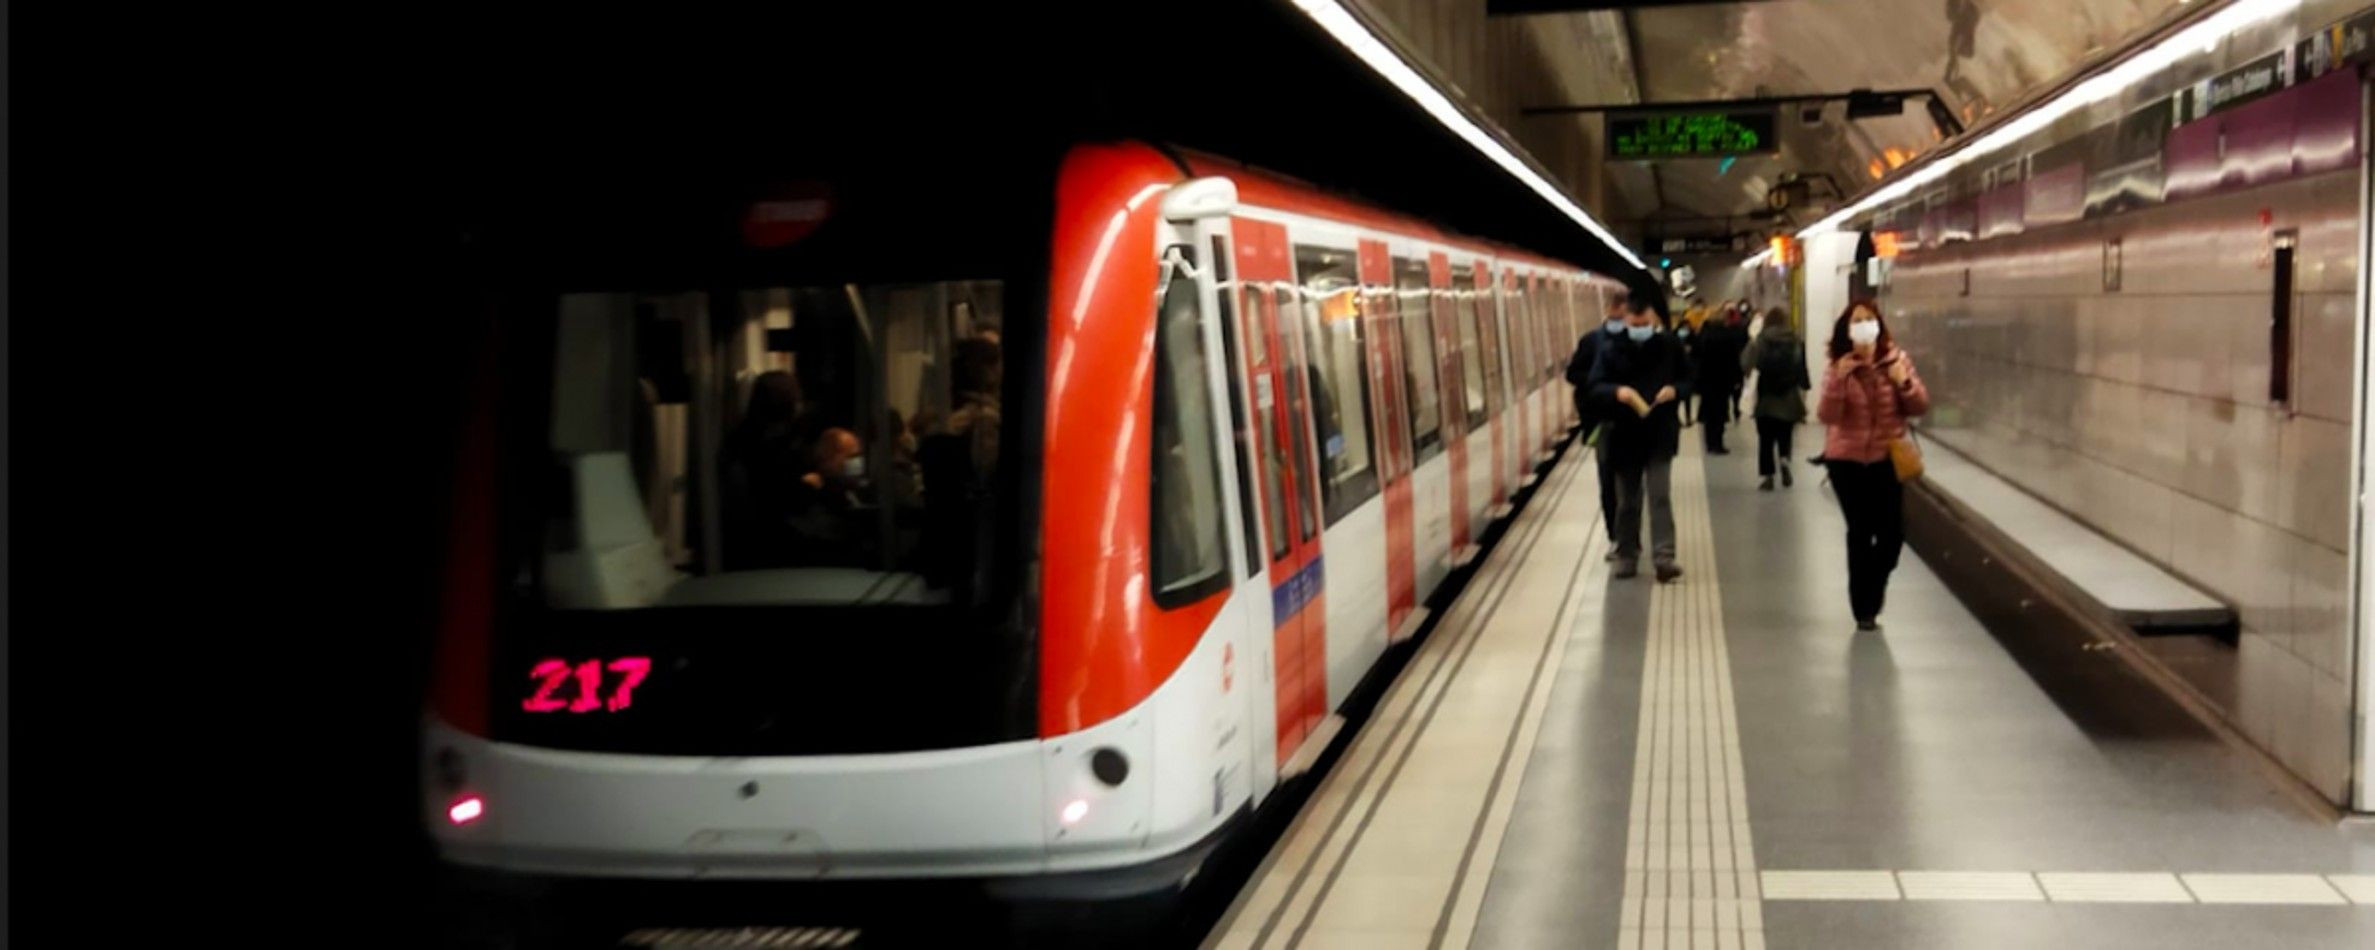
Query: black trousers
{"x": 1773, "y": 436}
{"x": 1607, "y": 486}
{"x": 1874, "y": 503}
{"x": 1715, "y": 427}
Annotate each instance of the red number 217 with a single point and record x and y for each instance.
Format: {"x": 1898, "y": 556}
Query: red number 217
{"x": 552, "y": 674}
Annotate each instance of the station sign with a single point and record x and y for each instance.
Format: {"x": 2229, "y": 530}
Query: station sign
{"x": 1642, "y": 136}
{"x": 2347, "y": 42}
{"x": 2234, "y": 87}
{"x": 1702, "y": 244}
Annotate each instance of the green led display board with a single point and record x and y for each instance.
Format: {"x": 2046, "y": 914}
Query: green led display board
{"x": 1639, "y": 136}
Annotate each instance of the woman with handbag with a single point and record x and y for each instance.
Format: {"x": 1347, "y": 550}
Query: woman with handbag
{"x": 1869, "y": 391}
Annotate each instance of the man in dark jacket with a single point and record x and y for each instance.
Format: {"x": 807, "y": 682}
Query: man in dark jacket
{"x": 1637, "y": 383}
{"x": 1718, "y": 374}
{"x": 1579, "y": 375}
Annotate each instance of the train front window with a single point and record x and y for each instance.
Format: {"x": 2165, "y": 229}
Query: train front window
{"x": 789, "y": 511}
{"x": 777, "y": 446}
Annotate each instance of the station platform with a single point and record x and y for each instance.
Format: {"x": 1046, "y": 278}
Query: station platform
{"x": 1571, "y": 760}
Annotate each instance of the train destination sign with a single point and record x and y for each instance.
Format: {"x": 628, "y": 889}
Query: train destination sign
{"x": 1711, "y": 134}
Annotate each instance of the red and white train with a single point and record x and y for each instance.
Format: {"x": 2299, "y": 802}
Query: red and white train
{"x": 824, "y": 559}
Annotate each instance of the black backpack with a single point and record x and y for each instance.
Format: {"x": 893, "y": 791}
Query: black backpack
{"x": 1779, "y": 368}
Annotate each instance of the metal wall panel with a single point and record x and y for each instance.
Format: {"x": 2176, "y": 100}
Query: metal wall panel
{"x": 2145, "y": 411}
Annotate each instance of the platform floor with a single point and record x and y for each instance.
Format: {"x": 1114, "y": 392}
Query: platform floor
{"x": 1576, "y": 761}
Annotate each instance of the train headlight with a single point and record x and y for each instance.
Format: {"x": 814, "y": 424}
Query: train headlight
{"x": 1076, "y": 810}
{"x": 466, "y": 810}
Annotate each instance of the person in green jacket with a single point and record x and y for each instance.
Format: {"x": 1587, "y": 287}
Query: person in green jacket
{"x": 1778, "y": 357}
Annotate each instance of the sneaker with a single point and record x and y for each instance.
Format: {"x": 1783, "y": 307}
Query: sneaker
{"x": 1766, "y": 484}
{"x": 1610, "y": 557}
{"x": 1786, "y": 480}
{"x": 1866, "y": 626}
{"x": 1668, "y": 572}
{"x": 1625, "y": 569}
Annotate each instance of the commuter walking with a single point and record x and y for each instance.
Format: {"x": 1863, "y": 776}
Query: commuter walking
{"x": 1740, "y": 316}
{"x": 1638, "y": 383}
{"x": 1717, "y": 370}
{"x": 1869, "y": 390}
{"x": 1686, "y": 333}
{"x": 1595, "y": 422}
{"x": 1778, "y": 358}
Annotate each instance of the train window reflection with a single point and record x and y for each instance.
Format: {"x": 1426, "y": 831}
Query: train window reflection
{"x": 1463, "y": 291}
{"x": 1340, "y": 390}
{"x": 779, "y": 446}
{"x": 1418, "y": 341}
{"x": 1189, "y": 555}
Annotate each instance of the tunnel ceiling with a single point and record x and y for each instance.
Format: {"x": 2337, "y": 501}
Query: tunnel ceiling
{"x": 1979, "y": 55}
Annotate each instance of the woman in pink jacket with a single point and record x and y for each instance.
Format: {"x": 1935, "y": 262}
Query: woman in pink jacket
{"x": 1868, "y": 392}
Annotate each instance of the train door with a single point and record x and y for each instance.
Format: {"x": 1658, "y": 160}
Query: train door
{"x": 1258, "y": 493}
{"x": 1546, "y": 317}
{"x": 1485, "y": 309}
{"x": 1455, "y": 417}
{"x": 1291, "y": 518}
{"x": 1521, "y": 421}
{"x": 1386, "y": 378}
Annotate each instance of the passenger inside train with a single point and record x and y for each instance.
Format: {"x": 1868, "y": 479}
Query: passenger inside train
{"x": 815, "y": 477}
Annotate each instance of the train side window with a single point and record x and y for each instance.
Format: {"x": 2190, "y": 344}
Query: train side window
{"x": 1519, "y": 322}
{"x": 1340, "y": 389}
{"x": 1418, "y": 343}
{"x": 1484, "y": 309}
{"x": 1275, "y": 451}
{"x": 1234, "y": 370}
{"x": 1296, "y": 368}
{"x": 1463, "y": 314}
{"x": 1549, "y": 327}
{"x": 1190, "y": 556}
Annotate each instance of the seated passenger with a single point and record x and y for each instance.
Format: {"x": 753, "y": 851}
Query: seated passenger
{"x": 826, "y": 525}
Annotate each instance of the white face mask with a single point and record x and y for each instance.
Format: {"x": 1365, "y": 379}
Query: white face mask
{"x": 853, "y": 467}
{"x": 1864, "y": 333}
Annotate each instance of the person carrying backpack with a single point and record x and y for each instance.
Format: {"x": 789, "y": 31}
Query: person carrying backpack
{"x": 1778, "y": 357}
{"x": 1579, "y": 371}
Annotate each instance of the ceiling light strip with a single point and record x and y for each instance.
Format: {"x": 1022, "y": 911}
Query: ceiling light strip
{"x": 1349, "y": 31}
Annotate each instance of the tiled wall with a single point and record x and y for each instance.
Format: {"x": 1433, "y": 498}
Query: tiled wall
{"x": 2145, "y": 411}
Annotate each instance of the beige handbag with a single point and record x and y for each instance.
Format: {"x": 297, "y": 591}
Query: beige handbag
{"x": 1906, "y": 455}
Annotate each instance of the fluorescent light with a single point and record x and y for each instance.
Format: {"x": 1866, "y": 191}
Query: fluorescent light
{"x": 1347, "y": 29}
{"x": 2202, "y": 35}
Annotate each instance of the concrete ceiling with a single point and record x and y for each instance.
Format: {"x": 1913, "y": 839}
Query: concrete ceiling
{"x": 1979, "y": 56}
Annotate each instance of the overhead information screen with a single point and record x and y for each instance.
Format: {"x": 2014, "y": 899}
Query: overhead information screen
{"x": 1710, "y": 134}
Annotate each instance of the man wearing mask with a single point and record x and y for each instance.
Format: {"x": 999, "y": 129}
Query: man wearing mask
{"x": 1579, "y": 372}
{"x": 1638, "y": 384}
{"x": 824, "y": 514}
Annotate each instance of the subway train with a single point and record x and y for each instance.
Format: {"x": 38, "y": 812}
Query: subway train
{"x": 803, "y": 531}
